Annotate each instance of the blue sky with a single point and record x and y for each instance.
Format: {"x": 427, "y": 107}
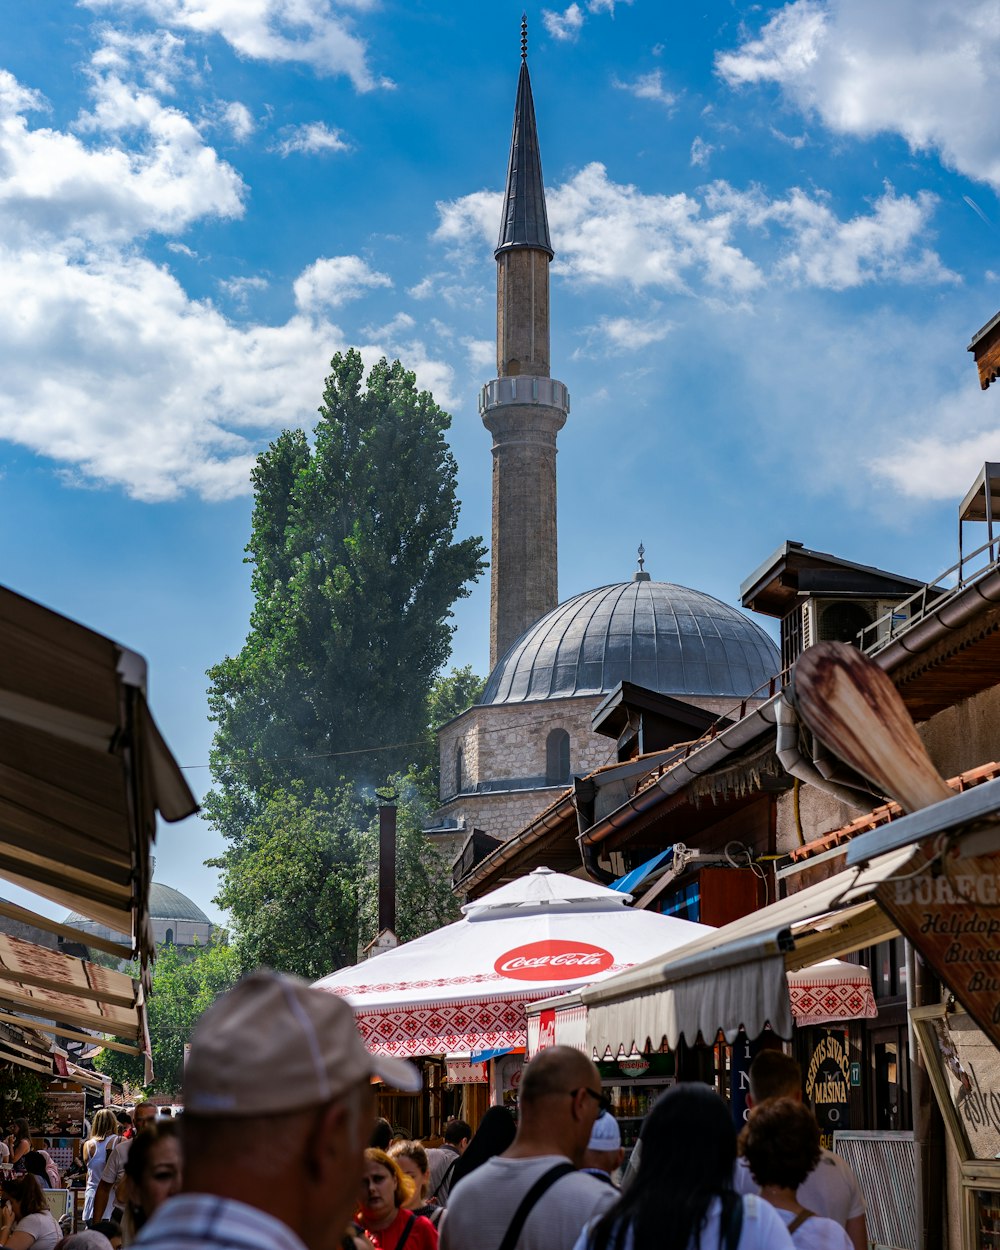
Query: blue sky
{"x": 775, "y": 229}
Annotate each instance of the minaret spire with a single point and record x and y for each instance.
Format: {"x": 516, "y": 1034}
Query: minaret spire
{"x": 524, "y": 407}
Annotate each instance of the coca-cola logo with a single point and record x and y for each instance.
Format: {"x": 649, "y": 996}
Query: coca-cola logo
{"x": 554, "y": 960}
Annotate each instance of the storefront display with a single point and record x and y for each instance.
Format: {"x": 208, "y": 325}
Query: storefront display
{"x": 633, "y": 1084}
{"x": 964, "y": 1068}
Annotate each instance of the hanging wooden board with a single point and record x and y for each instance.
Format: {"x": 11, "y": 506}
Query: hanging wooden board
{"x": 948, "y": 906}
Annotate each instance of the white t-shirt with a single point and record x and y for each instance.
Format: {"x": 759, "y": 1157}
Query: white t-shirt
{"x": 817, "y": 1233}
{"x": 831, "y": 1189}
{"x": 43, "y": 1227}
{"x": 482, "y": 1205}
{"x": 762, "y": 1229}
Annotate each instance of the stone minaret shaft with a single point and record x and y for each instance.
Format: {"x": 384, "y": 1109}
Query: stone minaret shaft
{"x": 523, "y": 407}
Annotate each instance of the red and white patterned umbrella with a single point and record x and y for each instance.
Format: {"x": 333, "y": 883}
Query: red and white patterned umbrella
{"x": 465, "y": 987}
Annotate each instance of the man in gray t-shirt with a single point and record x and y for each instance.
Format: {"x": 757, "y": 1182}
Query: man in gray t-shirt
{"x": 559, "y": 1100}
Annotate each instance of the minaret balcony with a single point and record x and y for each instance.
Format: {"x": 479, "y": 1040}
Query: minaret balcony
{"x": 523, "y": 389}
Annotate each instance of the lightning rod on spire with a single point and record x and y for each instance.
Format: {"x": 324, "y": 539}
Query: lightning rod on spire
{"x": 524, "y": 36}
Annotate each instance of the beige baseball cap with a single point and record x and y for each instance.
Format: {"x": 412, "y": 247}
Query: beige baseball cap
{"x": 274, "y": 1044}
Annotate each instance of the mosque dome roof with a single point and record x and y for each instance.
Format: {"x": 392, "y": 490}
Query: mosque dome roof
{"x": 656, "y": 634}
{"x": 165, "y": 903}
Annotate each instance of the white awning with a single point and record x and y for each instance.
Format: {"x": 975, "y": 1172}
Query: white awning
{"x": 737, "y": 976}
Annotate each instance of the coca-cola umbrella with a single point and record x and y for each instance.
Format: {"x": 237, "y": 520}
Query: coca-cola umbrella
{"x": 465, "y": 987}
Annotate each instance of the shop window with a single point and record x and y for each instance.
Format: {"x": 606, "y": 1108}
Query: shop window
{"x": 557, "y": 758}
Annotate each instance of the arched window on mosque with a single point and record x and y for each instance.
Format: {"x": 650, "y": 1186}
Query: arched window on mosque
{"x": 170, "y": 937}
{"x": 459, "y": 768}
{"x": 557, "y": 758}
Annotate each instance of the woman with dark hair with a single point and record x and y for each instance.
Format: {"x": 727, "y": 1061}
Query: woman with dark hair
{"x": 682, "y": 1197}
{"x": 493, "y": 1136}
{"x": 25, "y": 1220}
{"x": 34, "y": 1165}
{"x": 20, "y": 1140}
{"x": 385, "y": 1191}
{"x": 781, "y": 1145}
{"x": 152, "y": 1174}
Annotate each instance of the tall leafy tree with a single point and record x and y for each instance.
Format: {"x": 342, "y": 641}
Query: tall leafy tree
{"x": 355, "y": 571}
{"x": 355, "y": 568}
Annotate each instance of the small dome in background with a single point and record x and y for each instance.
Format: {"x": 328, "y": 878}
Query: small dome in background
{"x": 655, "y": 634}
{"x": 176, "y": 920}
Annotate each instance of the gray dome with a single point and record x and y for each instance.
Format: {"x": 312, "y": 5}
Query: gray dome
{"x": 655, "y": 634}
{"x": 165, "y": 903}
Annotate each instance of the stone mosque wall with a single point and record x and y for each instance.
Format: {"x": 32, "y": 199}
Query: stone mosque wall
{"x": 504, "y": 757}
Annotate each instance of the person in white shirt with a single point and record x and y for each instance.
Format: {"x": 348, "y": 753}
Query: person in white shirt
{"x": 559, "y": 1099}
{"x": 831, "y": 1189}
{"x": 682, "y": 1196}
{"x": 781, "y": 1146}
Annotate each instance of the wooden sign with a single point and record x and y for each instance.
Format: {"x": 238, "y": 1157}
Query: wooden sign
{"x": 948, "y": 906}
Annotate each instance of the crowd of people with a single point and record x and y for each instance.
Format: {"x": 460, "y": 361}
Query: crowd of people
{"x": 276, "y": 1150}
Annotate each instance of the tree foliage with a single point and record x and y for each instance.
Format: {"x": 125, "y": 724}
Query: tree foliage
{"x": 354, "y": 575}
{"x": 185, "y": 983}
{"x": 355, "y": 569}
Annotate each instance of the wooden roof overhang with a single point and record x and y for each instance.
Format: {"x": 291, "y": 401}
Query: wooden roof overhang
{"x": 83, "y": 773}
{"x": 985, "y": 348}
{"x": 951, "y": 655}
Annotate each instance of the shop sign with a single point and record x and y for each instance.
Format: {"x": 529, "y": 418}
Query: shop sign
{"x": 554, "y": 960}
{"x": 828, "y": 1083}
{"x": 949, "y": 908}
{"x": 63, "y": 1115}
{"x": 460, "y": 1073}
{"x": 739, "y": 1078}
{"x": 547, "y": 1028}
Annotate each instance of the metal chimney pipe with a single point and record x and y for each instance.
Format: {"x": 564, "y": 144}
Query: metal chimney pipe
{"x": 386, "y": 862}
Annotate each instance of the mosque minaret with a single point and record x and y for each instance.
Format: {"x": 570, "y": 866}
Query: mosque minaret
{"x": 523, "y": 407}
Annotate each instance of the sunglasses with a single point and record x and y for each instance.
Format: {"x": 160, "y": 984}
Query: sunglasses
{"x": 602, "y": 1100}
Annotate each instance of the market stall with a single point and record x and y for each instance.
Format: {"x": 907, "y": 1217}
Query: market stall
{"x": 464, "y": 988}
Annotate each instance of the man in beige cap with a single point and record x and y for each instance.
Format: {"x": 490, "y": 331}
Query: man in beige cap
{"x": 277, "y": 1112}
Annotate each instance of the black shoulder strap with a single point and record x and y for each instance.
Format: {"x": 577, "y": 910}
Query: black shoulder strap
{"x": 543, "y": 1183}
{"x": 731, "y": 1220}
{"x": 406, "y": 1231}
{"x": 800, "y": 1219}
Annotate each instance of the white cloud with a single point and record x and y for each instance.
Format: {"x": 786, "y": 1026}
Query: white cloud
{"x": 238, "y": 118}
{"x": 423, "y": 289}
{"x": 700, "y": 151}
{"x": 312, "y": 138}
{"x": 55, "y": 184}
{"x": 240, "y": 289}
{"x": 936, "y": 466}
{"x": 824, "y": 251}
{"x": 727, "y": 243}
{"x": 482, "y": 353}
{"x": 307, "y": 31}
{"x": 181, "y": 249}
{"x": 564, "y": 26}
{"x": 154, "y": 58}
{"x": 605, "y": 6}
{"x": 632, "y": 333}
{"x": 402, "y": 323}
{"x": 333, "y": 280}
{"x": 648, "y": 87}
{"x": 923, "y": 71}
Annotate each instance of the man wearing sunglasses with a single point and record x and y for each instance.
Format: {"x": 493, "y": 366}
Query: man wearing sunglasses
{"x": 532, "y": 1197}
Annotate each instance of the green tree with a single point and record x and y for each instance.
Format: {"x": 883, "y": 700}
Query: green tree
{"x": 185, "y": 983}
{"x": 355, "y": 571}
